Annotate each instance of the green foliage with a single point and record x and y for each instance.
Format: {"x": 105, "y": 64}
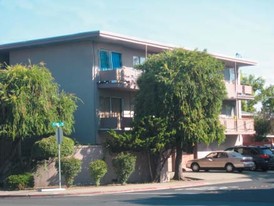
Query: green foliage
{"x": 48, "y": 148}
{"x": 149, "y": 134}
{"x": 262, "y": 128}
{"x": 30, "y": 101}
{"x": 124, "y": 165}
{"x": 268, "y": 101}
{"x": 98, "y": 169}
{"x": 70, "y": 167}
{"x": 20, "y": 181}
{"x": 186, "y": 90}
{"x": 257, "y": 84}
{"x": 185, "y": 87}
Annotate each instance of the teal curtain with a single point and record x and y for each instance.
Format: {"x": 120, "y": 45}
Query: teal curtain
{"x": 104, "y": 60}
{"x": 116, "y": 60}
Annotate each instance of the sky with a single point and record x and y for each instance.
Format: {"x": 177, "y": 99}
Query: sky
{"x": 224, "y": 27}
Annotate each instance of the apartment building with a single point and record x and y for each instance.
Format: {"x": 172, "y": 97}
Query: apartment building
{"x": 99, "y": 68}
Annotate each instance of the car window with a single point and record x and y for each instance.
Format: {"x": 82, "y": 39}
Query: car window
{"x": 212, "y": 155}
{"x": 240, "y": 150}
{"x": 267, "y": 151}
{"x": 254, "y": 152}
{"x": 222, "y": 155}
{"x": 235, "y": 154}
{"x": 247, "y": 151}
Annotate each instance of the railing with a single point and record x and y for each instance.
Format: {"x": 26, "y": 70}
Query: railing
{"x": 243, "y": 91}
{"x": 116, "y": 123}
{"x": 124, "y": 78}
{"x": 237, "y": 126}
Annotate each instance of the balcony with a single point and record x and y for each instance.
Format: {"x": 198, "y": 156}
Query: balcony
{"x": 121, "y": 79}
{"x": 243, "y": 91}
{"x": 234, "y": 126}
{"x": 116, "y": 123}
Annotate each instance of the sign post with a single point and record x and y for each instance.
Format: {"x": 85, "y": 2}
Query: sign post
{"x": 59, "y": 138}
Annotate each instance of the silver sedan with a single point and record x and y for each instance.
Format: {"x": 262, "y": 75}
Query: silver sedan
{"x": 221, "y": 160}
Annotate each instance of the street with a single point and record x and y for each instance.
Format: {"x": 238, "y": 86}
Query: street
{"x": 258, "y": 191}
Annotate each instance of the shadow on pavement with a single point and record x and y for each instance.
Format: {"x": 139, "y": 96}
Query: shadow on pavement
{"x": 260, "y": 197}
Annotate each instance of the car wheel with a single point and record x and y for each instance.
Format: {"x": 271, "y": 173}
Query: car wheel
{"x": 229, "y": 167}
{"x": 195, "y": 167}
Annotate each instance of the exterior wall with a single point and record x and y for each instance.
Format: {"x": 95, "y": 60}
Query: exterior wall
{"x": 230, "y": 140}
{"x": 47, "y": 175}
{"x": 71, "y": 66}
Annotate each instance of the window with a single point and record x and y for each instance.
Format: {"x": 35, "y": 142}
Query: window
{"x": 110, "y": 60}
{"x": 229, "y": 74}
{"x": 138, "y": 60}
{"x": 228, "y": 108}
{"x": 110, "y": 107}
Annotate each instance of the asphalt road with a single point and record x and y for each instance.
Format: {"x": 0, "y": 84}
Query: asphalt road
{"x": 259, "y": 191}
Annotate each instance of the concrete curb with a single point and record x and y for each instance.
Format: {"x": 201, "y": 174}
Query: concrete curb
{"x": 92, "y": 190}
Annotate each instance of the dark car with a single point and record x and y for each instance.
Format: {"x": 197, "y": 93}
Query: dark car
{"x": 262, "y": 156}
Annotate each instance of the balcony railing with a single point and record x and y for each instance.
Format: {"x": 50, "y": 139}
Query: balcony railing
{"x": 116, "y": 123}
{"x": 243, "y": 91}
{"x": 237, "y": 126}
{"x": 124, "y": 78}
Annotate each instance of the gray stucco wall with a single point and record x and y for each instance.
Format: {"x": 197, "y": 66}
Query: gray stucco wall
{"x": 75, "y": 67}
{"x": 71, "y": 65}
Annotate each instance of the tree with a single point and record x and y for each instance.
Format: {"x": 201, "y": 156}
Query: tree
{"x": 30, "y": 101}
{"x": 265, "y": 96}
{"x": 257, "y": 84}
{"x": 150, "y": 136}
{"x": 268, "y": 102}
{"x": 186, "y": 89}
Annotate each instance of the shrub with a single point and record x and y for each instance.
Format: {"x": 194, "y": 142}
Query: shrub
{"x": 124, "y": 165}
{"x": 47, "y": 148}
{"x": 20, "y": 181}
{"x": 98, "y": 169}
{"x": 70, "y": 167}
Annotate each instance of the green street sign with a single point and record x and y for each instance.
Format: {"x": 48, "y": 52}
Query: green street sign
{"x": 58, "y": 124}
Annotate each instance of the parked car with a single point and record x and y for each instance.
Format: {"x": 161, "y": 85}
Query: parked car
{"x": 262, "y": 156}
{"x": 221, "y": 160}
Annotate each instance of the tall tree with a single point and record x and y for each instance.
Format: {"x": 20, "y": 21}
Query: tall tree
{"x": 30, "y": 101}
{"x": 257, "y": 84}
{"x": 186, "y": 88}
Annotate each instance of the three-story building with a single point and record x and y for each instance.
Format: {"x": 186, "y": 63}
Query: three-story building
{"x": 99, "y": 68}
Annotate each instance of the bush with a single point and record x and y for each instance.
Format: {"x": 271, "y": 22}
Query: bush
{"x": 124, "y": 165}
{"x": 20, "y": 181}
{"x": 70, "y": 167}
{"x": 98, "y": 169}
{"x": 47, "y": 148}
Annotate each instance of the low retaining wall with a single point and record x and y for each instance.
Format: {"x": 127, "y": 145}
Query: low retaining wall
{"x": 47, "y": 175}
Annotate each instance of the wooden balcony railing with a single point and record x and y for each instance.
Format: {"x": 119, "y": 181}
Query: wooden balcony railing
{"x": 237, "y": 126}
{"x": 243, "y": 91}
{"x": 124, "y": 78}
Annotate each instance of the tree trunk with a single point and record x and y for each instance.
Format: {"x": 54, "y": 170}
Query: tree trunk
{"x": 178, "y": 163}
{"x": 149, "y": 165}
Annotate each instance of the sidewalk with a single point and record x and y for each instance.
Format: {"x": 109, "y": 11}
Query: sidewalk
{"x": 198, "y": 179}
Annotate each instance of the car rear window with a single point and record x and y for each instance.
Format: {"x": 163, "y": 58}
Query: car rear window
{"x": 267, "y": 151}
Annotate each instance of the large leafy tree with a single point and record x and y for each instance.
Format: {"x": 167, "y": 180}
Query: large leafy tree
{"x": 186, "y": 89}
{"x": 257, "y": 84}
{"x": 30, "y": 101}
